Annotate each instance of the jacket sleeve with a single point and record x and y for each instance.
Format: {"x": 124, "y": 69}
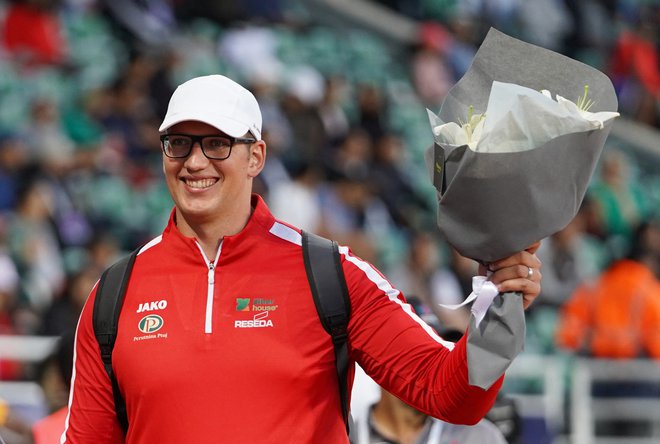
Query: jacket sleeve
{"x": 404, "y": 355}
{"x": 91, "y": 404}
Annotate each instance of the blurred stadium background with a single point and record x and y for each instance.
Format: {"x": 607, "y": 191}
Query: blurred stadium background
{"x": 343, "y": 87}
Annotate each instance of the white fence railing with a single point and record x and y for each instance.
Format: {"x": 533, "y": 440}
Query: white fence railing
{"x": 595, "y": 392}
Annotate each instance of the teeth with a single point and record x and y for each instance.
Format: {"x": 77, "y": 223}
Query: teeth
{"x": 200, "y": 183}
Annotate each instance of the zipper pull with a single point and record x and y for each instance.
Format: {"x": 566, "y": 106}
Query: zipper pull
{"x": 211, "y": 273}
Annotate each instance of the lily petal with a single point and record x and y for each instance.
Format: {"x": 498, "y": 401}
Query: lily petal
{"x": 450, "y": 133}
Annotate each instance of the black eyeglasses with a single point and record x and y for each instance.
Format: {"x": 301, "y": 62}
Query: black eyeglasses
{"x": 178, "y": 146}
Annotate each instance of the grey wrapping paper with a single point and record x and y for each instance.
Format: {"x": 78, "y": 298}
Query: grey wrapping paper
{"x": 492, "y": 346}
{"x": 494, "y": 204}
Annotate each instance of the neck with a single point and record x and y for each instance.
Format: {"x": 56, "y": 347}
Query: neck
{"x": 209, "y": 231}
{"x": 397, "y": 421}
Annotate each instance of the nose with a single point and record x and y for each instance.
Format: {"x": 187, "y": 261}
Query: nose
{"x": 196, "y": 159}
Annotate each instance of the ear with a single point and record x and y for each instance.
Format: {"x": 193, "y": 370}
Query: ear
{"x": 257, "y": 158}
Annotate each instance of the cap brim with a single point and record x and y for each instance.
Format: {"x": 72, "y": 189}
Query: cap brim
{"x": 222, "y": 123}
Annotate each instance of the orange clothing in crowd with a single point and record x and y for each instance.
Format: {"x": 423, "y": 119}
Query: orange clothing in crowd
{"x": 618, "y": 316}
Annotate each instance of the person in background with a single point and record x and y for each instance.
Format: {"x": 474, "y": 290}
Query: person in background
{"x": 621, "y": 203}
{"x": 385, "y": 419}
{"x": 54, "y": 376}
{"x": 12, "y": 425}
{"x": 618, "y": 315}
{"x": 392, "y": 421}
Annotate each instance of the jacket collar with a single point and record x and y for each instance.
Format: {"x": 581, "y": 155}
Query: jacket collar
{"x": 260, "y": 222}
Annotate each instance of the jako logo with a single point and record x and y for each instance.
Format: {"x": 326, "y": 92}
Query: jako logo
{"x": 260, "y": 320}
{"x": 152, "y": 306}
{"x": 150, "y": 324}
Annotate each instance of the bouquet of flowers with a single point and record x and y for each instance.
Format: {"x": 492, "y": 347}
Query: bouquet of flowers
{"x": 511, "y": 164}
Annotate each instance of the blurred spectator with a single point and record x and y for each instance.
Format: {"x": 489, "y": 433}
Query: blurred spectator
{"x": 46, "y": 137}
{"x": 265, "y": 85}
{"x": 302, "y": 93}
{"x": 78, "y": 124}
{"x": 128, "y": 115}
{"x": 422, "y": 275}
{"x": 570, "y": 257}
{"x": 54, "y": 378}
{"x": 457, "y": 283}
{"x": 546, "y": 23}
{"x": 393, "y": 182}
{"x": 13, "y": 426}
{"x": 589, "y": 38}
{"x": 635, "y": 66}
{"x": 62, "y": 315}
{"x": 55, "y": 155}
{"x": 501, "y": 14}
{"x": 352, "y": 157}
{"x": 430, "y": 73}
{"x": 380, "y": 417}
{"x": 393, "y": 421}
{"x": 33, "y": 245}
{"x": 372, "y": 110}
{"x": 102, "y": 252}
{"x": 621, "y": 203}
{"x": 334, "y": 118}
{"x": 44, "y": 43}
{"x": 618, "y": 315}
{"x": 159, "y": 80}
{"x": 296, "y": 201}
{"x": 14, "y": 159}
{"x": 463, "y": 45}
{"x": 258, "y": 41}
{"x": 71, "y": 224}
{"x": 352, "y": 215}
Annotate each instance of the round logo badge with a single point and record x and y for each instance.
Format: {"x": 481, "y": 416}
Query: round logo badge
{"x": 150, "y": 323}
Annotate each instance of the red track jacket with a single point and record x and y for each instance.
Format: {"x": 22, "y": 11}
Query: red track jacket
{"x": 231, "y": 350}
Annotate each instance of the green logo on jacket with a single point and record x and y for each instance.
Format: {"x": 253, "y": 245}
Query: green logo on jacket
{"x": 150, "y": 323}
{"x": 242, "y": 304}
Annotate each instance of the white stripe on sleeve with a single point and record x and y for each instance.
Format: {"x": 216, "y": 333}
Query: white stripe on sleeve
{"x": 392, "y": 293}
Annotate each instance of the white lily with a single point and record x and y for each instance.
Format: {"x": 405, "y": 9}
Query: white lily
{"x": 520, "y": 119}
{"x": 581, "y": 108}
{"x": 468, "y": 133}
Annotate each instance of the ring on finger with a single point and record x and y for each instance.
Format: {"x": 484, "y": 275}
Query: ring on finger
{"x": 530, "y": 272}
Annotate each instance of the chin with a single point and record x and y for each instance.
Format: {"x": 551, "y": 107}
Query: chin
{"x": 198, "y": 210}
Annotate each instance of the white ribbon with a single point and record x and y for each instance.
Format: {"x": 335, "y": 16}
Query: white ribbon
{"x": 483, "y": 293}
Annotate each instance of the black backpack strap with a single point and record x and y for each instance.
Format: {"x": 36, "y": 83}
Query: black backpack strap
{"x": 328, "y": 285}
{"x": 107, "y": 308}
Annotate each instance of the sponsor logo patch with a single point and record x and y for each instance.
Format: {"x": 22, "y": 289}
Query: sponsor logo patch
{"x": 258, "y": 304}
{"x": 264, "y": 305}
{"x": 152, "y": 306}
{"x": 242, "y": 304}
{"x": 260, "y": 320}
{"x": 150, "y": 324}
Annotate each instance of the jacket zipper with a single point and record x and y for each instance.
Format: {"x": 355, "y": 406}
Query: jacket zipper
{"x": 210, "y": 288}
{"x": 208, "y": 324}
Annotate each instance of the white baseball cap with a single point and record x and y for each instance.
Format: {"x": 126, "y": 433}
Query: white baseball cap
{"x": 215, "y": 100}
